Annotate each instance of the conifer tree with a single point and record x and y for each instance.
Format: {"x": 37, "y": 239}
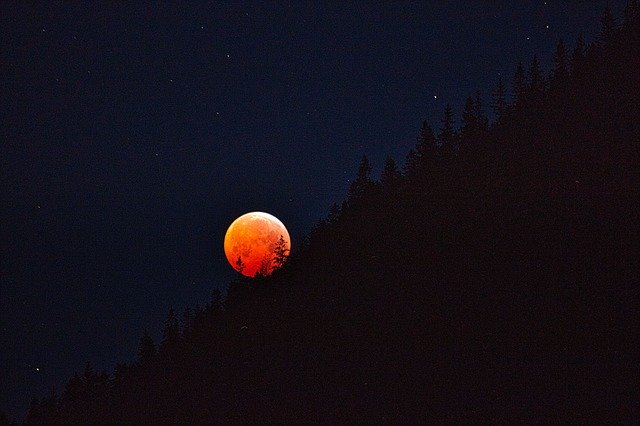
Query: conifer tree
{"x": 519, "y": 84}
{"x": 89, "y": 374}
{"x": 577, "y": 58}
{"x": 607, "y": 26}
{"x": 536, "y": 79}
{"x": 425, "y": 151}
{"x": 426, "y": 143}
{"x": 469, "y": 130}
{"x": 280, "y": 253}
{"x": 334, "y": 213}
{"x": 239, "y": 266}
{"x": 411, "y": 163}
{"x": 363, "y": 183}
{"x": 447, "y": 136}
{"x": 265, "y": 267}
{"x": 481, "y": 117}
{"x": 560, "y": 69}
{"x": 631, "y": 19}
{"x": 390, "y": 176}
{"x": 146, "y": 349}
{"x": 171, "y": 332}
{"x": 187, "y": 319}
{"x": 499, "y": 104}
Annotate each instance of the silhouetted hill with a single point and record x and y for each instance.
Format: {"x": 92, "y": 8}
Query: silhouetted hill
{"x": 494, "y": 277}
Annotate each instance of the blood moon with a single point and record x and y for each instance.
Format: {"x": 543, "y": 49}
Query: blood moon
{"x": 256, "y": 242}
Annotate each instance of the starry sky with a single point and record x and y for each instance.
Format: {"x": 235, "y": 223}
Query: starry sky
{"x": 132, "y": 136}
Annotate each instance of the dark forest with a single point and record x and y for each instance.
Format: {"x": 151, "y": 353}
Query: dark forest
{"x": 493, "y": 275}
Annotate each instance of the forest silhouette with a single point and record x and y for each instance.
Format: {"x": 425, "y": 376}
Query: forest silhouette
{"x": 492, "y": 276}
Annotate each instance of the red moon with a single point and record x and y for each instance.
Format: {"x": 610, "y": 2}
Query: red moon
{"x": 253, "y": 239}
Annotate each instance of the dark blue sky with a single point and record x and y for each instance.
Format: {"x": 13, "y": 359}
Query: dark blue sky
{"x": 132, "y": 136}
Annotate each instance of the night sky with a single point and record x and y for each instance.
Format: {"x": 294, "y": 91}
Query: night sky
{"x": 131, "y": 137}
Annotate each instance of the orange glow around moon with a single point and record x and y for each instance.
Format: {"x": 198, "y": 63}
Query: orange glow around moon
{"x": 253, "y": 238}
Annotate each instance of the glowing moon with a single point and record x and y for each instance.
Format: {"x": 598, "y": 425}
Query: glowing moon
{"x": 253, "y": 244}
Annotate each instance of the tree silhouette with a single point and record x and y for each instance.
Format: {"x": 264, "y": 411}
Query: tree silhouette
{"x": 411, "y": 163}
{"x": 560, "y": 66}
{"x": 577, "y": 56}
{"x": 146, "y": 349}
{"x": 265, "y": 267}
{"x": 631, "y": 16}
{"x": 426, "y": 146}
{"x": 481, "y": 117}
{"x": 536, "y": 83}
{"x": 334, "y": 213}
{"x": 171, "y": 333}
{"x": 390, "y": 177}
{"x": 239, "y": 266}
{"x": 280, "y": 253}
{"x": 447, "y": 136}
{"x": 519, "y": 85}
{"x": 608, "y": 26}
{"x": 361, "y": 185}
{"x": 470, "y": 123}
{"x": 499, "y": 104}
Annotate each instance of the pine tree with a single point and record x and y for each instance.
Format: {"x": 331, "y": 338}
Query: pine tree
{"x": 411, "y": 163}
{"x": 447, "y": 136}
{"x": 265, "y": 267}
{"x": 519, "y": 84}
{"x": 481, "y": 117}
{"x": 171, "y": 332}
{"x": 363, "y": 183}
{"x": 499, "y": 104}
{"x": 608, "y": 26}
{"x": 120, "y": 372}
{"x": 280, "y": 253}
{"x": 536, "y": 79}
{"x": 426, "y": 143}
{"x": 560, "y": 69}
{"x": 425, "y": 151}
{"x": 631, "y": 16}
{"x": 469, "y": 130}
{"x": 187, "y": 319}
{"x": 577, "y": 58}
{"x": 146, "y": 349}
{"x": 334, "y": 213}
{"x": 239, "y": 266}
{"x": 89, "y": 375}
{"x": 390, "y": 176}
{"x": 475, "y": 124}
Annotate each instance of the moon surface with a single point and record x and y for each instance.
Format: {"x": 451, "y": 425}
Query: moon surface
{"x": 253, "y": 239}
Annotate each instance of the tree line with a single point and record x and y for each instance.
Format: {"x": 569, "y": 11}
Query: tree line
{"x": 491, "y": 276}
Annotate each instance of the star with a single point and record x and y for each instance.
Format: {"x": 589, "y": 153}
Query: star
{"x": 435, "y": 96}
{"x": 37, "y": 368}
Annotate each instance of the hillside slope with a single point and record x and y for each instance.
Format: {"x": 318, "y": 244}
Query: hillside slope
{"x": 494, "y": 278}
